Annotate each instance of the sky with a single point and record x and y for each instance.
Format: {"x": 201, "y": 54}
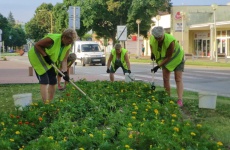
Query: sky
{"x": 23, "y": 10}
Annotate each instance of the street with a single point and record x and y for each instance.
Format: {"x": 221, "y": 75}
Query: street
{"x": 195, "y": 78}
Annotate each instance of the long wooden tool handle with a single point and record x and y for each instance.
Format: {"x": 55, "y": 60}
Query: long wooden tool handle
{"x": 69, "y": 80}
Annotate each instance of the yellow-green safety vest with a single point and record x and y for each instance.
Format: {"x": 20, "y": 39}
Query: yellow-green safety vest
{"x": 55, "y": 52}
{"x": 160, "y": 55}
{"x": 114, "y": 54}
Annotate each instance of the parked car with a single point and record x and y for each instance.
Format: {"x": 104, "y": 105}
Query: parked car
{"x": 89, "y": 52}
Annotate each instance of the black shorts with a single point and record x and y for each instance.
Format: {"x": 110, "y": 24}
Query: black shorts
{"x": 116, "y": 67}
{"x": 48, "y": 78}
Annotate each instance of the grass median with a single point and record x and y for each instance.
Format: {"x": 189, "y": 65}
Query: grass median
{"x": 217, "y": 120}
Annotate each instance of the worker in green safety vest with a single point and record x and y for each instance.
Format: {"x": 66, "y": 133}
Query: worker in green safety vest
{"x": 52, "y": 49}
{"x": 118, "y": 58}
{"x": 169, "y": 56}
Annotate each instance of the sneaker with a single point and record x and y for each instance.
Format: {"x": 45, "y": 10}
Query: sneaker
{"x": 60, "y": 88}
{"x": 179, "y": 103}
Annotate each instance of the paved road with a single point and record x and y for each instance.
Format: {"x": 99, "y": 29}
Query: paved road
{"x": 213, "y": 80}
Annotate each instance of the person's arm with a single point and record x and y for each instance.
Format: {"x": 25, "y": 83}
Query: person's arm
{"x": 109, "y": 61}
{"x": 152, "y": 57}
{"x": 64, "y": 62}
{"x": 127, "y": 60}
{"x": 42, "y": 44}
{"x": 169, "y": 53}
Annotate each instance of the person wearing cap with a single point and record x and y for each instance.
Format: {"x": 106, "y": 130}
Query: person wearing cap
{"x": 169, "y": 56}
{"x": 70, "y": 60}
{"x": 53, "y": 48}
{"x": 118, "y": 58}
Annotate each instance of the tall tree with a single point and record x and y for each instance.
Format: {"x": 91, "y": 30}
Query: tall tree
{"x": 11, "y": 19}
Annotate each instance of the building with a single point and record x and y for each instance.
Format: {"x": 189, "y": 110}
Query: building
{"x": 203, "y": 31}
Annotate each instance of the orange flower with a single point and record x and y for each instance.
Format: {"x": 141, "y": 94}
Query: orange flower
{"x": 19, "y": 122}
{"x": 40, "y": 118}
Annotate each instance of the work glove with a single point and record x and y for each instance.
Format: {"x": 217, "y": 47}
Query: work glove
{"x": 108, "y": 71}
{"x": 48, "y": 60}
{"x": 66, "y": 77}
{"x": 59, "y": 74}
{"x": 152, "y": 57}
{"x": 155, "y": 69}
{"x": 129, "y": 71}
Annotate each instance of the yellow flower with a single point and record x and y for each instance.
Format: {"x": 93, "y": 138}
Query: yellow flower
{"x": 65, "y": 139}
{"x": 171, "y": 102}
{"x": 136, "y": 108}
{"x": 91, "y": 135}
{"x": 2, "y": 123}
{"x": 134, "y": 112}
{"x": 126, "y": 146}
{"x": 61, "y": 100}
{"x": 146, "y": 110}
{"x": 144, "y": 119}
{"x": 199, "y": 125}
{"x": 130, "y": 136}
{"x": 219, "y": 143}
{"x": 17, "y": 132}
{"x": 134, "y": 104}
{"x": 174, "y": 115}
{"x": 176, "y": 129}
{"x": 156, "y": 111}
{"x": 162, "y": 121}
{"x": 129, "y": 129}
{"x": 133, "y": 117}
{"x": 193, "y": 134}
{"x": 83, "y": 130}
{"x": 81, "y": 148}
{"x": 11, "y": 140}
{"x": 51, "y": 137}
{"x": 20, "y": 148}
{"x": 130, "y": 124}
{"x": 173, "y": 120}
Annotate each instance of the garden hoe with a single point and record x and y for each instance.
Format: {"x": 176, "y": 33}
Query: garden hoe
{"x": 153, "y": 87}
{"x": 72, "y": 82}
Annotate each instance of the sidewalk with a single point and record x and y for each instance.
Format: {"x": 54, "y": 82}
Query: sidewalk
{"x": 16, "y": 70}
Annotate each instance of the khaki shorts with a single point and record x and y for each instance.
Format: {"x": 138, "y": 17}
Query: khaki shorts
{"x": 180, "y": 67}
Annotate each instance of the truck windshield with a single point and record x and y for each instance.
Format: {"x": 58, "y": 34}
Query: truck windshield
{"x": 90, "y": 48}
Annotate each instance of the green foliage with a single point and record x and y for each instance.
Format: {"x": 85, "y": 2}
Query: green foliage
{"x": 119, "y": 116}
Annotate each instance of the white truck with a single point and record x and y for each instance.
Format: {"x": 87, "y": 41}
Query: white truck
{"x": 89, "y": 52}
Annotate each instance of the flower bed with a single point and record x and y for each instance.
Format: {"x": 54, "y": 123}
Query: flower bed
{"x": 120, "y": 116}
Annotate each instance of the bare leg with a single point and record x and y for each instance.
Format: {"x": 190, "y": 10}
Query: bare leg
{"x": 166, "y": 77}
{"x": 59, "y": 80}
{"x": 43, "y": 92}
{"x": 111, "y": 75}
{"x": 51, "y": 92}
{"x": 179, "y": 84}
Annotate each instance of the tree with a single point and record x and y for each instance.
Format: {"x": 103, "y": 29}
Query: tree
{"x": 40, "y": 24}
{"x": 103, "y": 16}
{"x": 11, "y": 19}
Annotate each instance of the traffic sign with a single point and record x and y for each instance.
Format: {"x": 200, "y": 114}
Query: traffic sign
{"x": 74, "y": 17}
{"x": 76, "y": 21}
{"x": 121, "y": 33}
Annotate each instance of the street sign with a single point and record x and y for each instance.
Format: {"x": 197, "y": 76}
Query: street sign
{"x": 121, "y": 33}
{"x": 0, "y": 35}
{"x": 74, "y": 10}
{"x": 77, "y": 23}
{"x": 74, "y": 17}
